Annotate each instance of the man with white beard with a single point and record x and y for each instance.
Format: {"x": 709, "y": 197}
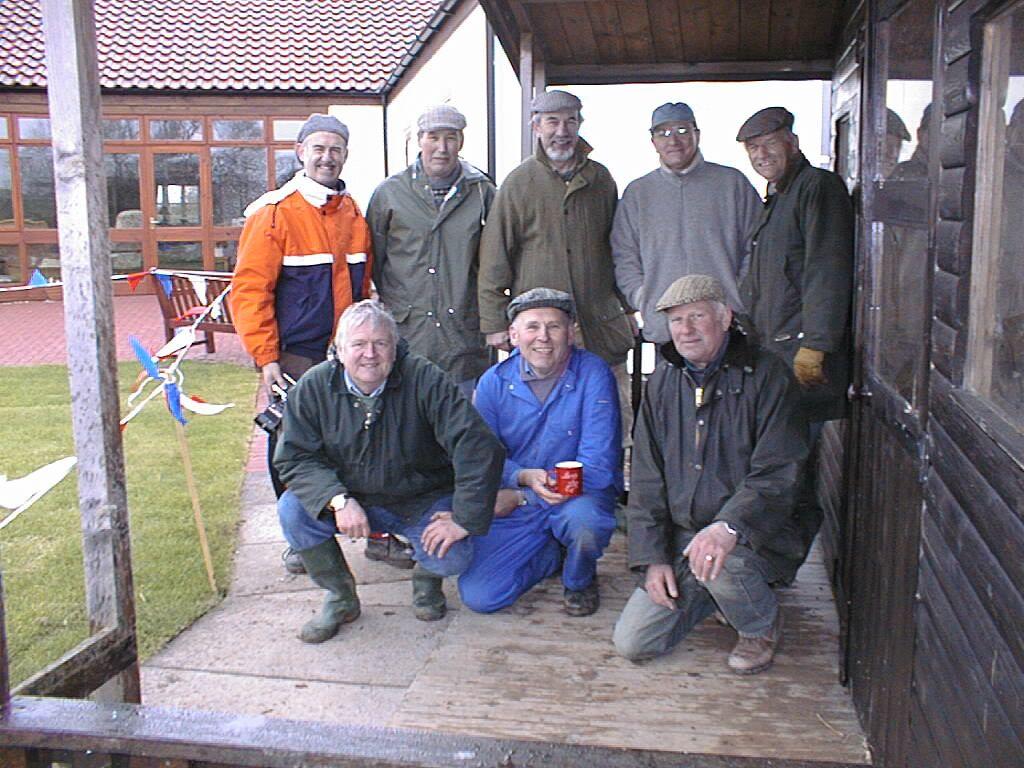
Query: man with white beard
{"x": 549, "y": 227}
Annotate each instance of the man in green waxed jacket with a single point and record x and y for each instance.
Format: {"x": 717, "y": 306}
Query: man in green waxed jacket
{"x": 380, "y": 440}
{"x": 799, "y": 284}
{"x": 717, "y": 455}
{"x": 549, "y": 227}
{"x": 426, "y": 223}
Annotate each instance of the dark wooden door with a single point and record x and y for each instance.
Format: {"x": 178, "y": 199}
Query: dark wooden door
{"x": 890, "y": 408}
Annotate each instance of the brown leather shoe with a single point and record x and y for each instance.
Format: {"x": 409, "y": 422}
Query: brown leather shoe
{"x": 755, "y": 654}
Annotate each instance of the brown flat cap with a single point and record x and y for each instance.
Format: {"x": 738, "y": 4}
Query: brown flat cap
{"x": 554, "y": 101}
{"x": 690, "y": 289}
{"x": 765, "y": 121}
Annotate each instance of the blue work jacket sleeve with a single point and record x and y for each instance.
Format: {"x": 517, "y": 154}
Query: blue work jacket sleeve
{"x": 600, "y": 428}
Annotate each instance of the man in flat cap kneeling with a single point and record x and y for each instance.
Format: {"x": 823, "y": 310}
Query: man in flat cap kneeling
{"x": 717, "y": 452}
{"x": 549, "y": 402}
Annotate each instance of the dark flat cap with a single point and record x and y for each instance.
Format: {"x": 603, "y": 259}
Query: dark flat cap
{"x": 679, "y": 112}
{"x": 536, "y": 298}
{"x": 690, "y": 289}
{"x": 321, "y": 122}
{"x": 765, "y": 121}
{"x": 895, "y": 126}
{"x": 554, "y": 101}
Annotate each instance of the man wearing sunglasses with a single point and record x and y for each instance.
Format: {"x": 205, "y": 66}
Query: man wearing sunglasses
{"x": 687, "y": 216}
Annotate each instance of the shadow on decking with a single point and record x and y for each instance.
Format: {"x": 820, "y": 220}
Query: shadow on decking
{"x": 529, "y": 672}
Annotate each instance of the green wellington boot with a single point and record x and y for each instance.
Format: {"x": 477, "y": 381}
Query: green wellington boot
{"x": 428, "y": 595}
{"x": 326, "y": 565}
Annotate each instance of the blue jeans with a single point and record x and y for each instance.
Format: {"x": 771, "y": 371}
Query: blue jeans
{"x": 742, "y": 592}
{"x": 526, "y": 547}
{"x": 303, "y": 531}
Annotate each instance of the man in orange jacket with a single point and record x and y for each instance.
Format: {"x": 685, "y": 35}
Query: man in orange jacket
{"x": 303, "y": 257}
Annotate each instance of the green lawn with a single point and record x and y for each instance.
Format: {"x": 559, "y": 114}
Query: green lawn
{"x": 41, "y": 551}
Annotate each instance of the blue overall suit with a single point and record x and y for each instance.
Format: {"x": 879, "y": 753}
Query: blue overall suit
{"x": 579, "y": 421}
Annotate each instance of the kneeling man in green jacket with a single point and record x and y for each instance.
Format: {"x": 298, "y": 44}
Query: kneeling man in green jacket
{"x": 376, "y": 439}
{"x": 718, "y": 448}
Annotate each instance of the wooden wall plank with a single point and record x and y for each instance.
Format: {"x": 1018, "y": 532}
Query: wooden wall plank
{"x": 604, "y": 21}
{"x": 949, "y": 299}
{"x": 724, "y": 30}
{"x": 953, "y": 246}
{"x": 547, "y": 26}
{"x": 964, "y": 653}
{"x": 755, "y": 29}
{"x": 953, "y": 147}
{"x": 666, "y": 31}
{"x": 943, "y": 348}
{"x": 956, "y": 35}
{"x": 922, "y": 743}
{"x": 980, "y": 439}
{"x": 952, "y": 193}
{"x": 574, "y": 17}
{"x": 990, "y": 580}
{"x": 635, "y": 30}
{"x": 959, "y": 92}
{"x": 695, "y": 19}
{"x": 784, "y": 28}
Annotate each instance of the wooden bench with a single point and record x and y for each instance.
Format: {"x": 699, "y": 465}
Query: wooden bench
{"x": 182, "y": 304}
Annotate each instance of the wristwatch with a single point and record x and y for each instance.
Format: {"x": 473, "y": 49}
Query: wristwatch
{"x": 523, "y": 501}
{"x": 729, "y": 528}
{"x": 337, "y": 503}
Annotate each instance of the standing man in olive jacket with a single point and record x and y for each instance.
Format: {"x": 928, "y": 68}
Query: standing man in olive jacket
{"x": 379, "y": 439}
{"x": 799, "y": 286}
{"x": 716, "y": 458}
{"x": 549, "y": 227}
{"x": 426, "y": 223}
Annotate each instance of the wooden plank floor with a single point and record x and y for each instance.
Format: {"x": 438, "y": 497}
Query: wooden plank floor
{"x": 528, "y": 672}
{"x": 533, "y": 672}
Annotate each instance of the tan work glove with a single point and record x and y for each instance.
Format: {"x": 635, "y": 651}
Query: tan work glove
{"x": 807, "y": 367}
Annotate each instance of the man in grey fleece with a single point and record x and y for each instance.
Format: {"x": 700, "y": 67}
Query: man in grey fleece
{"x": 688, "y": 216}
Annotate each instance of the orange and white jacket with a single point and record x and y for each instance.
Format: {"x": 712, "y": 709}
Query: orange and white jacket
{"x": 302, "y": 248}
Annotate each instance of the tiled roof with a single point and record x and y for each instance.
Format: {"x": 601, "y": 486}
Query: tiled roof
{"x": 307, "y": 45}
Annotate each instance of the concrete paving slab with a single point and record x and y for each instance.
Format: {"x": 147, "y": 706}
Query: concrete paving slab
{"x": 257, "y": 636}
{"x": 270, "y": 697}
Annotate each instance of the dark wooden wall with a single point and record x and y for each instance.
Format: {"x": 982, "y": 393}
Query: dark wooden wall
{"x": 968, "y": 685}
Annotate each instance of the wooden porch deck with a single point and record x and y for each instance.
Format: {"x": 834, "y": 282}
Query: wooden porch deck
{"x": 528, "y": 672}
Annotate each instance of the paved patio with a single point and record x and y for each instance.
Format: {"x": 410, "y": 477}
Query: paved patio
{"x": 32, "y": 332}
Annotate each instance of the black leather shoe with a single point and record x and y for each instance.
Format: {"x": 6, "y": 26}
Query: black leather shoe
{"x": 582, "y": 602}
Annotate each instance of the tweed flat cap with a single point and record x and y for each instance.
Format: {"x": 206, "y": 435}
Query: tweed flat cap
{"x": 679, "y": 112}
{"x": 895, "y": 126}
{"x": 318, "y": 121}
{"x": 536, "y": 298}
{"x": 554, "y": 101}
{"x": 689, "y": 289}
{"x": 440, "y": 117}
{"x": 765, "y": 121}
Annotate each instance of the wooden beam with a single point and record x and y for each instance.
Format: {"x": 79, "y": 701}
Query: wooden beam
{"x": 84, "y": 668}
{"x": 227, "y": 739}
{"x": 74, "y": 101}
{"x": 600, "y": 74}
